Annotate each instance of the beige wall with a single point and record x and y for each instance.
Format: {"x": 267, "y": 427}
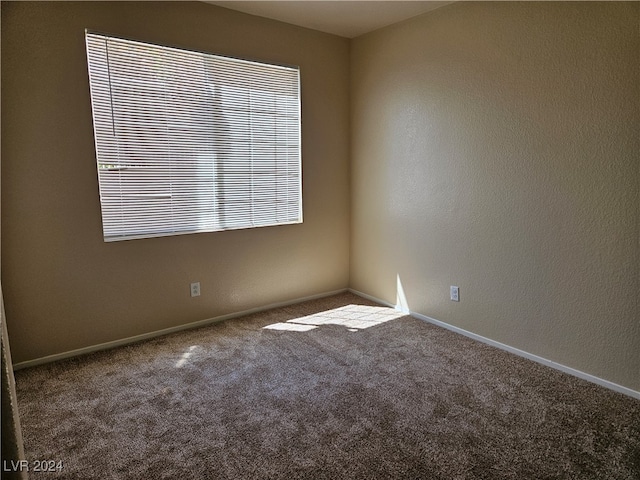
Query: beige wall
{"x": 67, "y": 289}
{"x": 495, "y": 147}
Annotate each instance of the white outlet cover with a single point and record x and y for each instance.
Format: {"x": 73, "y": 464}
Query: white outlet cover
{"x": 455, "y": 293}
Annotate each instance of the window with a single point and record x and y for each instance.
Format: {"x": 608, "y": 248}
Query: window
{"x": 192, "y": 142}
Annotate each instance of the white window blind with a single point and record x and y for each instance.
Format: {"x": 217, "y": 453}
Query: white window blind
{"x": 192, "y": 142}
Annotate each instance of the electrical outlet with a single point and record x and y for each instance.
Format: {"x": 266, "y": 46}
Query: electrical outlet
{"x": 455, "y": 293}
{"x": 195, "y": 289}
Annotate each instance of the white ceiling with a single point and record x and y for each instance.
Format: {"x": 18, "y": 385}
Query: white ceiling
{"x": 345, "y": 18}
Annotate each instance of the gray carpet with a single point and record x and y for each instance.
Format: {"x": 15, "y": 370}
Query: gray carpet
{"x": 333, "y": 388}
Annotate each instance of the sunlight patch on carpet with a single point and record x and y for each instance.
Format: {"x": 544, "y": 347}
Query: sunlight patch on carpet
{"x": 353, "y": 317}
{"x": 185, "y": 356}
{"x": 290, "y": 326}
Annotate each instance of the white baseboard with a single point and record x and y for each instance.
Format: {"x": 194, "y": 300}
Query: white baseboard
{"x": 165, "y": 331}
{"x": 549, "y": 363}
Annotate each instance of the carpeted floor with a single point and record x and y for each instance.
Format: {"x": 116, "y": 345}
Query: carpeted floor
{"x": 330, "y": 389}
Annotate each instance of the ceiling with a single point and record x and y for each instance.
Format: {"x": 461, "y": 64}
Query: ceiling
{"x": 345, "y": 18}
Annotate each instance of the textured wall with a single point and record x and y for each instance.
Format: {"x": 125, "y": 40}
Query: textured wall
{"x": 495, "y": 147}
{"x": 64, "y": 287}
